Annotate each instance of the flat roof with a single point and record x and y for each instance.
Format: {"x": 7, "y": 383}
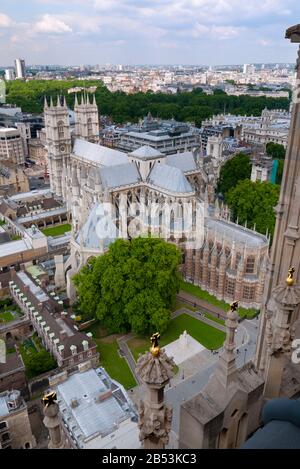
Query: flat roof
{"x": 13, "y": 247}
{"x": 80, "y": 396}
{"x": 30, "y": 194}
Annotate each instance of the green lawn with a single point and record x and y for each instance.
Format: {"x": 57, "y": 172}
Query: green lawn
{"x": 57, "y": 230}
{"x": 181, "y": 304}
{"x": 208, "y": 336}
{"x": 6, "y": 317}
{"x": 116, "y": 366}
{"x": 204, "y": 295}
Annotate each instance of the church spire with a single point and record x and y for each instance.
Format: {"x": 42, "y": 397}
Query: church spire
{"x": 45, "y": 103}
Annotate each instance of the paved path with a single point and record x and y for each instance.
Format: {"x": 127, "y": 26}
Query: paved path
{"x": 122, "y": 342}
{"x": 201, "y": 304}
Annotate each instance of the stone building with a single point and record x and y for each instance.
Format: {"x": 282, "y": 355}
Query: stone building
{"x": 12, "y": 178}
{"x": 227, "y": 409}
{"x": 95, "y": 411}
{"x": 91, "y": 177}
{"x": 231, "y": 264}
{"x": 60, "y": 336}
{"x": 11, "y": 146}
{"x": 12, "y": 373}
{"x": 15, "y": 429}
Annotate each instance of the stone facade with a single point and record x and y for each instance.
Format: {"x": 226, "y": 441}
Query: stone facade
{"x": 15, "y": 429}
{"x": 155, "y": 417}
{"x": 227, "y": 410}
{"x": 94, "y": 175}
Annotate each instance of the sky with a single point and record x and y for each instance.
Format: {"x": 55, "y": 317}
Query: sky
{"x": 211, "y": 32}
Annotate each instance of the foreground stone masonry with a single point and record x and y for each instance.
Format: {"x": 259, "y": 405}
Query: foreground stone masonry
{"x": 155, "y": 417}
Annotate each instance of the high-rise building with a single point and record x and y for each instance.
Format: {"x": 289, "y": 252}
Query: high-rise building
{"x": 9, "y": 74}
{"x": 20, "y": 68}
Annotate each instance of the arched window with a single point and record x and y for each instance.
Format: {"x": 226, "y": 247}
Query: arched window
{"x": 89, "y": 126}
{"x": 61, "y": 130}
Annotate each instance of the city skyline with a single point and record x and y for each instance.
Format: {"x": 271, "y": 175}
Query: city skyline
{"x": 157, "y": 32}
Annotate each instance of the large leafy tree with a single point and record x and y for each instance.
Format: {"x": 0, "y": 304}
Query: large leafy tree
{"x": 254, "y": 202}
{"x": 276, "y": 150}
{"x": 132, "y": 286}
{"x": 234, "y": 170}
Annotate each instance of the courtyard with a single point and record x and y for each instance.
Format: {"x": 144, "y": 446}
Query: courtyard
{"x": 113, "y": 360}
{"x": 58, "y": 230}
{"x": 9, "y": 311}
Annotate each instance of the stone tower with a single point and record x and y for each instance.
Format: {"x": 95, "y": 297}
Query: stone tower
{"x": 86, "y": 118}
{"x": 52, "y": 421}
{"x": 58, "y": 143}
{"x": 155, "y": 417}
{"x": 280, "y": 333}
{"x": 286, "y": 243}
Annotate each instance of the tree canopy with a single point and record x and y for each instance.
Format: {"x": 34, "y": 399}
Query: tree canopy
{"x": 132, "y": 286}
{"x": 234, "y": 170}
{"x": 254, "y": 202}
{"x": 192, "y": 106}
{"x": 276, "y": 150}
{"x": 40, "y": 362}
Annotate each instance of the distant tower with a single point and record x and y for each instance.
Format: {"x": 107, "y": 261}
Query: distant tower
{"x": 58, "y": 143}
{"x": 155, "y": 417}
{"x": 86, "y": 118}
{"x": 286, "y": 243}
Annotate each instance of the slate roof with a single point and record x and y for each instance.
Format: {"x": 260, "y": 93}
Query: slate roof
{"x": 183, "y": 161}
{"x": 146, "y": 152}
{"x": 169, "y": 178}
{"x": 120, "y": 175}
{"x": 98, "y": 154}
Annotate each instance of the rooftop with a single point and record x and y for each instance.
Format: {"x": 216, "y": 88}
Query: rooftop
{"x": 169, "y": 178}
{"x": 120, "y": 175}
{"x": 93, "y": 404}
{"x": 183, "y": 161}
{"x": 237, "y": 233}
{"x": 146, "y": 152}
{"x": 103, "y": 156}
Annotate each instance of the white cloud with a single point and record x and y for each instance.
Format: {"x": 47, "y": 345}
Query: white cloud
{"x": 50, "y": 24}
{"x": 5, "y": 21}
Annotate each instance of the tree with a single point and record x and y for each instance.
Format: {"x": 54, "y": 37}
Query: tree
{"x": 254, "y": 202}
{"x": 233, "y": 171}
{"x": 279, "y": 171}
{"x": 275, "y": 150}
{"x": 40, "y": 362}
{"x": 132, "y": 286}
{"x": 120, "y": 107}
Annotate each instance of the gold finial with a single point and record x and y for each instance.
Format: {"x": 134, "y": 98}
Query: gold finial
{"x": 49, "y": 399}
{"x": 234, "y": 306}
{"x": 155, "y": 346}
{"x": 290, "y": 277}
